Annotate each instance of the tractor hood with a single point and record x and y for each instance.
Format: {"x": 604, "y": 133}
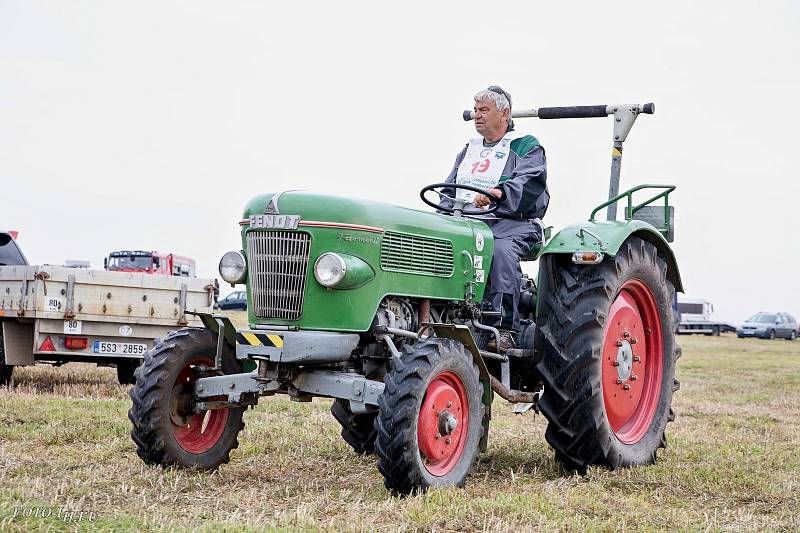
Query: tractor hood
{"x": 314, "y": 207}
{"x": 389, "y": 250}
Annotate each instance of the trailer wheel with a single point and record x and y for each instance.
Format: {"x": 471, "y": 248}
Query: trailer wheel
{"x": 166, "y": 430}
{"x": 430, "y": 419}
{"x": 609, "y": 355}
{"x": 358, "y": 430}
{"x": 125, "y": 371}
{"x": 5, "y": 370}
{"x": 715, "y": 331}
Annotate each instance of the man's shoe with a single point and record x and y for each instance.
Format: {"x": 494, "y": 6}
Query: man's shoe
{"x": 506, "y": 342}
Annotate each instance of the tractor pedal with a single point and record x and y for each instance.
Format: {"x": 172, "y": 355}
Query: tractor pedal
{"x": 522, "y": 408}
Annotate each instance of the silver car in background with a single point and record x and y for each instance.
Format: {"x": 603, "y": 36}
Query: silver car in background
{"x": 769, "y": 326}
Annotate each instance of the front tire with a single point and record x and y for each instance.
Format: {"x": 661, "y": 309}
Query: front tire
{"x": 609, "y": 355}
{"x": 430, "y": 420}
{"x": 166, "y": 430}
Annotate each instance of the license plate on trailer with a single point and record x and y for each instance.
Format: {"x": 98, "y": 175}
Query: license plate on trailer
{"x": 119, "y": 348}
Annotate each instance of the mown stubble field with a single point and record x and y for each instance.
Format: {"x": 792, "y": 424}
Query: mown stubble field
{"x": 732, "y": 463}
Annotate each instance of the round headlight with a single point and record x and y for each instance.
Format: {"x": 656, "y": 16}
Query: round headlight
{"x": 232, "y": 267}
{"x": 330, "y": 269}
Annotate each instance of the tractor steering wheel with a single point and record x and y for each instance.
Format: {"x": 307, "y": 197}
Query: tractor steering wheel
{"x": 456, "y": 202}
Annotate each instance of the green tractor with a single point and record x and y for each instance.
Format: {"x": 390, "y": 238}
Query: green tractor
{"x": 379, "y": 308}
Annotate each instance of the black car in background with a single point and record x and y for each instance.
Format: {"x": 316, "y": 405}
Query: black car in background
{"x": 235, "y": 300}
{"x": 769, "y": 326}
{"x": 10, "y": 254}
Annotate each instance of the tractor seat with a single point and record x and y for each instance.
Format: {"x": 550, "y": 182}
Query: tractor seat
{"x": 533, "y": 255}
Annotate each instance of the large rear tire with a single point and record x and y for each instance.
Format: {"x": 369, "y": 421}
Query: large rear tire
{"x": 609, "y": 355}
{"x": 166, "y": 430}
{"x": 430, "y": 421}
{"x": 358, "y": 430}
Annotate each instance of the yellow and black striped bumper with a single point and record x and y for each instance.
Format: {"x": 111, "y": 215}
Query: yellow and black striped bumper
{"x": 269, "y": 340}
{"x": 295, "y": 347}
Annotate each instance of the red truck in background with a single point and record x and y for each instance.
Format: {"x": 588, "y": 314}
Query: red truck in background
{"x": 150, "y": 263}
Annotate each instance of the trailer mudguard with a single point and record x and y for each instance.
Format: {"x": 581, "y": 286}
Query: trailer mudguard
{"x": 607, "y": 237}
{"x": 17, "y": 342}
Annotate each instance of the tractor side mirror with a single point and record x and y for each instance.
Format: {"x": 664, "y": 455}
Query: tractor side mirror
{"x": 105, "y": 263}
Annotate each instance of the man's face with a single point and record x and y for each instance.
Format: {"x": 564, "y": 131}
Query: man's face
{"x": 490, "y": 123}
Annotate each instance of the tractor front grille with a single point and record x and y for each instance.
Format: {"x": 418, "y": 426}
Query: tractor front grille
{"x": 403, "y": 252}
{"x": 277, "y": 262}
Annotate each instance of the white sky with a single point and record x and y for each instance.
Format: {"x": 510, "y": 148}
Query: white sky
{"x": 148, "y": 125}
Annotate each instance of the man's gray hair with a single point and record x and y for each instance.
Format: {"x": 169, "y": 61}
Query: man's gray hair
{"x": 501, "y": 99}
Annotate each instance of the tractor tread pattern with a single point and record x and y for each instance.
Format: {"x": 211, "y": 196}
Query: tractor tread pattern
{"x": 396, "y": 421}
{"x": 571, "y": 365}
{"x": 153, "y": 388}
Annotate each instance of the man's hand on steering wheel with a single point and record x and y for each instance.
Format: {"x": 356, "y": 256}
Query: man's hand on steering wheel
{"x": 489, "y": 199}
{"x": 481, "y": 200}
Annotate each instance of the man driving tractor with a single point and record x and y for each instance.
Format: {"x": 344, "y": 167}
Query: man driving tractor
{"x": 377, "y": 306}
{"x": 511, "y": 166}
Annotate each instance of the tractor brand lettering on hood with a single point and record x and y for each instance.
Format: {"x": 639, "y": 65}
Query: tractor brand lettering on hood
{"x": 274, "y": 221}
{"x": 357, "y": 238}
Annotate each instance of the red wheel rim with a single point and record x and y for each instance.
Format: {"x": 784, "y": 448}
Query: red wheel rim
{"x": 443, "y": 423}
{"x": 633, "y": 350}
{"x": 195, "y": 433}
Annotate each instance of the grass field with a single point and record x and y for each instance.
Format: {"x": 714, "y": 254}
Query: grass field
{"x": 732, "y": 463}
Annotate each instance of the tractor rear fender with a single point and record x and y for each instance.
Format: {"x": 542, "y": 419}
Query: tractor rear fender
{"x": 607, "y": 237}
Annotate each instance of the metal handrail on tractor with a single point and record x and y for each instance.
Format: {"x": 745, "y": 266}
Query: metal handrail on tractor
{"x": 630, "y": 209}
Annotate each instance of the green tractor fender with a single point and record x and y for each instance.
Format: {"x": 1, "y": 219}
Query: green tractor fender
{"x": 607, "y": 238}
